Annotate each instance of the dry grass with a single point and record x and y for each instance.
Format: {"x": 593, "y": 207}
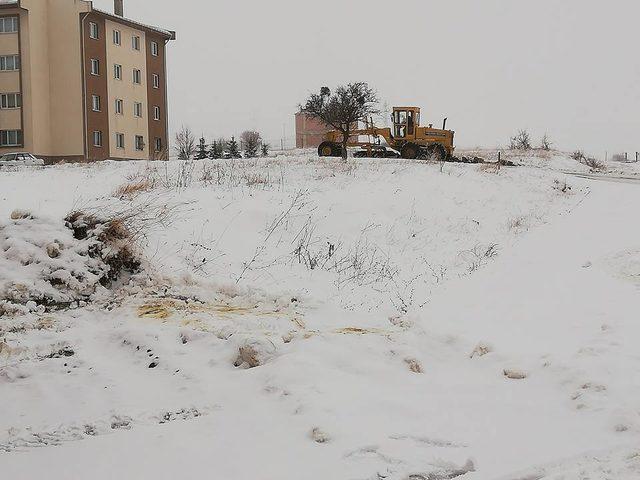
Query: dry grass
{"x": 518, "y": 224}
{"x": 493, "y": 167}
{"x": 414, "y": 365}
{"x": 253, "y": 179}
{"x": 114, "y": 243}
{"x": 132, "y": 189}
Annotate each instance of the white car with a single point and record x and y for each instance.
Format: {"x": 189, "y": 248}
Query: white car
{"x": 18, "y": 159}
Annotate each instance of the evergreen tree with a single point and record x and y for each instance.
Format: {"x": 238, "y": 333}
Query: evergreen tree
{"x": 251, "y": 142}
{"x": 232, "y": 148}
{"x": 265, "y": 149}
{"x": 215, "y": 151}
{"x": 201, "y": 151}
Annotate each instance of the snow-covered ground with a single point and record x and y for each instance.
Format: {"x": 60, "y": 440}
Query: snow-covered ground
{"x": 313, "y": 319}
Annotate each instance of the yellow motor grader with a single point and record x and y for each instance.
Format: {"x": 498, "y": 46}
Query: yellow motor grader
{"x": 406, "y": 139}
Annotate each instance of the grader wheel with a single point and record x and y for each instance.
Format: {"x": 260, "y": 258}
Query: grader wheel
{"x": 437, "y": 152}
{"x": 329, "y": 149}
{"x": 410, "y": 151}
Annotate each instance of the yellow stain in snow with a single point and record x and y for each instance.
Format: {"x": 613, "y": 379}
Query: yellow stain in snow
{"x": 165, "y": 308}
{"x": 361, "y": 331}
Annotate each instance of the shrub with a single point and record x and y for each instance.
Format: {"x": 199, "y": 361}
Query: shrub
{"x": 521, "y": 141}
{"x": 578, "y": 156}
{"x": 594, "y": 164}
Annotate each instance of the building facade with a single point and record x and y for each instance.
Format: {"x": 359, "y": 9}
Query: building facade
{"x": 81, "y": 84}
{"x": 309, "y": 131}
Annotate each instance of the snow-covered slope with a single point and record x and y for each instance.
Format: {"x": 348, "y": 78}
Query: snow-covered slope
{"x": 308, "y": 319}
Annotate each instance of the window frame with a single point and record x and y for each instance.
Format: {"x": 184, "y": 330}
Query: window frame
{"x": 120, "y": 141}
{"x": 4, "y": 63}
{"x": 117, "y": 71}
{"x": 96, "y": 103}
{"x": 137, "y": 109}
{"x": 117, "y": 37}
{"x": 135, "y": 42}
{"x": 139, "y": 143}
{"x": 156, "y": 113}
{"x": 158, "y": 145}
{"x": 137, "y": 76}
{"x": 156, "y": 80}
{"x": 95, "y": 67}
{"x": 155, "y": 49}
{"x": 119, "y": 106}
{"x": 97, "y": 139}
{"x": 5, "y": 133}
{"x": 17, "y": 100}
{"x": 94, "y": 31}
{"x": 15, "y": 25}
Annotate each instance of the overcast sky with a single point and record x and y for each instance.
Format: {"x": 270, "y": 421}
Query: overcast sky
{"x": 567, "y": 67}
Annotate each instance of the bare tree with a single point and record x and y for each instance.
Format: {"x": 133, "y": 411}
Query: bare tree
{"x": 185, "y": 143}
{"x": 546, "y": 143}
{"x": 251, "y": 141}
{"x": 522, "y": 141}
{"x": 343, "y": 108}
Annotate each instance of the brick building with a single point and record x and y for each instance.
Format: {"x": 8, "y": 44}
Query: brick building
{"x": 309, "y": 131}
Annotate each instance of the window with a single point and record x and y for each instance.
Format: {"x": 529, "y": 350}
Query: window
{"x": 95, "y": 67}
{"x": 154, "y": 49}
{"x": 137, "y": 76}
{"x": 9, "y": 63}
{"x": 10, "y": 100}
{"x": 119, "y": 106}
{"x": 95, "y": 103}
{"x": 156, "y": 113}
{"x": 9, "y": 25}
{"x": 137, "y": 110}
{"x": 119, "y": 140}
{"x": 158, "y": 144}
{"x": 93, "y": 30}
{"x": 117, "y": 37}
{"x": 117, "y": 71}
{"x": 156, "y": 80}
{"x": 97, "y": 138}
{"x": 10, "y": 138}
{"x": 139, "y": 142}
{"x": 135, "y": 42}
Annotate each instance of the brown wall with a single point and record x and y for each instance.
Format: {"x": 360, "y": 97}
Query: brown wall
{"x": 157, "y": 96}
{"x": 309, "y": 131}
{"x": 96, "y": 85}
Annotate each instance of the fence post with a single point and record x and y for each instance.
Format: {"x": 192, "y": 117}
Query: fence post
{"x": 637, "y": 156}
{"x": 499, "y": 157}
{"x": 626, "y": 156}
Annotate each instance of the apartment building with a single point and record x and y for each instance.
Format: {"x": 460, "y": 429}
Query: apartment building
{"x": 81, "y": 84}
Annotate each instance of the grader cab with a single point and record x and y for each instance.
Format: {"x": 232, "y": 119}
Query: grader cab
{"x": 406, "y": 139}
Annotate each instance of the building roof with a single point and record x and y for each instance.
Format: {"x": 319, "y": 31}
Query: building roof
{"x": 168, "y": 34}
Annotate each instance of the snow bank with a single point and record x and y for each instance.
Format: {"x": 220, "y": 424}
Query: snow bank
{"x": 47, "y": 264}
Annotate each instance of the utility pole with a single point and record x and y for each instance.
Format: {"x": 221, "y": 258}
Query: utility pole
{"x": 284, "y": 135}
